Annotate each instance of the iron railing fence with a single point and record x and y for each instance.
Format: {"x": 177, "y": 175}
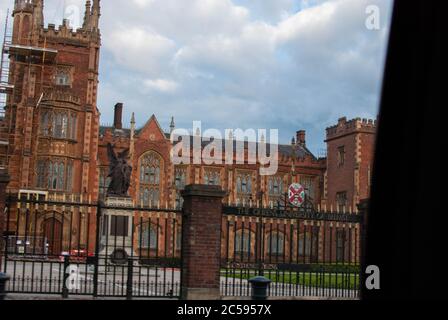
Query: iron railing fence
{"x": 84, "y": 248}
{"x": 304, "y": 252}
{"x": 79, "y": 247}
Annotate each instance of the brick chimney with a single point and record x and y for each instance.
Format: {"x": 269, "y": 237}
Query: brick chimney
{"x": 301, "y": 138}
{"x": 118, "y": 115}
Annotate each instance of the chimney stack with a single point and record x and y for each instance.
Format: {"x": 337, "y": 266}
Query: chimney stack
{"x": 301, "y": 138}
{"x": 118, "y": 115}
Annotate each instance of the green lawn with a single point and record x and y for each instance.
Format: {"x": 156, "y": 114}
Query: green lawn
{"x": 307, "y": 279}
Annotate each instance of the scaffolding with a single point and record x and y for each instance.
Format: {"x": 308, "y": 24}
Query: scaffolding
{"x": 5, "y": 89}
{"x": 17, "y": 54}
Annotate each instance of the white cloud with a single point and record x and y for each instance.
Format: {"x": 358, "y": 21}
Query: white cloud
{"x": 177, "y": 19}
{"x": 269, "y": 10}
{"x": 287, "y": 64}
{"x": 143, "y": 3}
{"x": 302, "y": 66}
{"x": 140, "y": 49}
{"x": 161, "y": 85}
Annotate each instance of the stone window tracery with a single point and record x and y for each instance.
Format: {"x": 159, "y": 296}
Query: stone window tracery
{"x": 212, "y": 177}
{"x": 180, "y": 180}
{"x": 244, "y": 188}
{"x": 150, "y": 180}
{"x": 62, "y": 78}
{"x": 60, "y": 124}
{"x": 55, "y": 175}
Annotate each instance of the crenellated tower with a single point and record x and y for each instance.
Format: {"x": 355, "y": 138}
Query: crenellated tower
{"x": 350, "y": 152}
{"x": 52, "y": 110}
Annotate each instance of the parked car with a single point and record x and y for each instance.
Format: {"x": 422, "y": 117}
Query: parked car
{"x": 77, "y": 256}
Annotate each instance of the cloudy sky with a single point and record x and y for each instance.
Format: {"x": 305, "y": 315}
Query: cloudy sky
{"x": 283, "y": 64}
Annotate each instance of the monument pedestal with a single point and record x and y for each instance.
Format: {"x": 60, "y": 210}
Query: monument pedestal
{"x": 116, "y": 234}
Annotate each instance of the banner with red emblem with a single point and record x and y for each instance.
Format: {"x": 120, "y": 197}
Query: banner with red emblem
{"x": 296, "y": 194}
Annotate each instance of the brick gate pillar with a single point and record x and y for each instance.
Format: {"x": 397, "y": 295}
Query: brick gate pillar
{"x": 201, "y": 242}
{"x": 4, "y": 180}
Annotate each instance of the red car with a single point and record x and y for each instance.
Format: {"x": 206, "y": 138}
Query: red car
{"x": 79, "y": 256}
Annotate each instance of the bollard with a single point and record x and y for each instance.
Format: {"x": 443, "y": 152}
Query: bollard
{"x": 3, "y": 279}
{"x": 259, "y": 288}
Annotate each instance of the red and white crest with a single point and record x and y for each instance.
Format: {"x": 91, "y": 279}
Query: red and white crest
{"x": 296, "y": 194}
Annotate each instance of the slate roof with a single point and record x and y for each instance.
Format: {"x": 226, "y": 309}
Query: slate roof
{"x": 287, "y": 150}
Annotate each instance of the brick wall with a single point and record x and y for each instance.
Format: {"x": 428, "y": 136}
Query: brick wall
{"x": 367, "y": 142}
{"x": 151, "y": 138}
{"x": 358, "y": 139}
{"x": 201, "y": 242}
{"x": 4, "y": 179}
{"x": 78, "y": 56}
{"x": 341, "y": 178}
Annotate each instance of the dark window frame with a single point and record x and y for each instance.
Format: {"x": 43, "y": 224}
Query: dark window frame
{"x": 341, "y": 156}
{"x": 119, "y": 226}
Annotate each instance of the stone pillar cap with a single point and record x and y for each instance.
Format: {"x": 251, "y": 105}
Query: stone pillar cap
{"x": 203, "y": 190}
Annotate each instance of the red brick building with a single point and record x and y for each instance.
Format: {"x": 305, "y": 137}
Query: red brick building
{"x": 350, "y": 150}
{"x": 156, "y": 181}
{"x": 51, "y": 112}
{"x": 52, "y": 141}
{"x": 49, "y": 130}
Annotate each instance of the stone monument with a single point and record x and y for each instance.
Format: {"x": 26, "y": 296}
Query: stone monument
{"x": 117, "y": 219}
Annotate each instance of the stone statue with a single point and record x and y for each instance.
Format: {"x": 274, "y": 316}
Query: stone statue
{"x": 119, "y": 172}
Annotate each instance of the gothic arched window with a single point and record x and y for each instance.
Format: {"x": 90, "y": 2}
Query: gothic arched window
{"x": 54, "y": 175}
{"x": 275, "y": 186}
{"x": 180, "y": 180}
{"x": 41, "y": 174}
{"x": 60, "y": 178}
{"x": 62, "y": 78}
{"x": 69, "y": 177}
{"x": 147, "y": 236}
{"x": 304, "y": 244}
{"x": 243, "y": 241}
{"x": 212, "y": 177}
{"x": 149, "y": 196}
{"x": 73, "y": 126}
{"x": 244, "y": 188}
{"x": 275, "y": 190}
{"x": 150, "y": 171}
{"x": 308, "y": 183}
{"x": 341, "y": 240}
{"x": 45, "y": 123}
{"x": 308, "y": 243}
{"x": 276, "y": 241}
{"x": 60, "y": 124}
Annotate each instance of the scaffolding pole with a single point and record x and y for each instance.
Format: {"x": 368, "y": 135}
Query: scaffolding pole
{"x": 5, "y": 89}
{"x": 19, "y": 55}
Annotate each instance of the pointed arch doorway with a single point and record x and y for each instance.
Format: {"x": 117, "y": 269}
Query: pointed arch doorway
{"x": 52, "y": 231}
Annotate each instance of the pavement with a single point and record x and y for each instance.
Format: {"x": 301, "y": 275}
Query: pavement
{"x": 47, "y": 278}
{"x": 43, "y": 297}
